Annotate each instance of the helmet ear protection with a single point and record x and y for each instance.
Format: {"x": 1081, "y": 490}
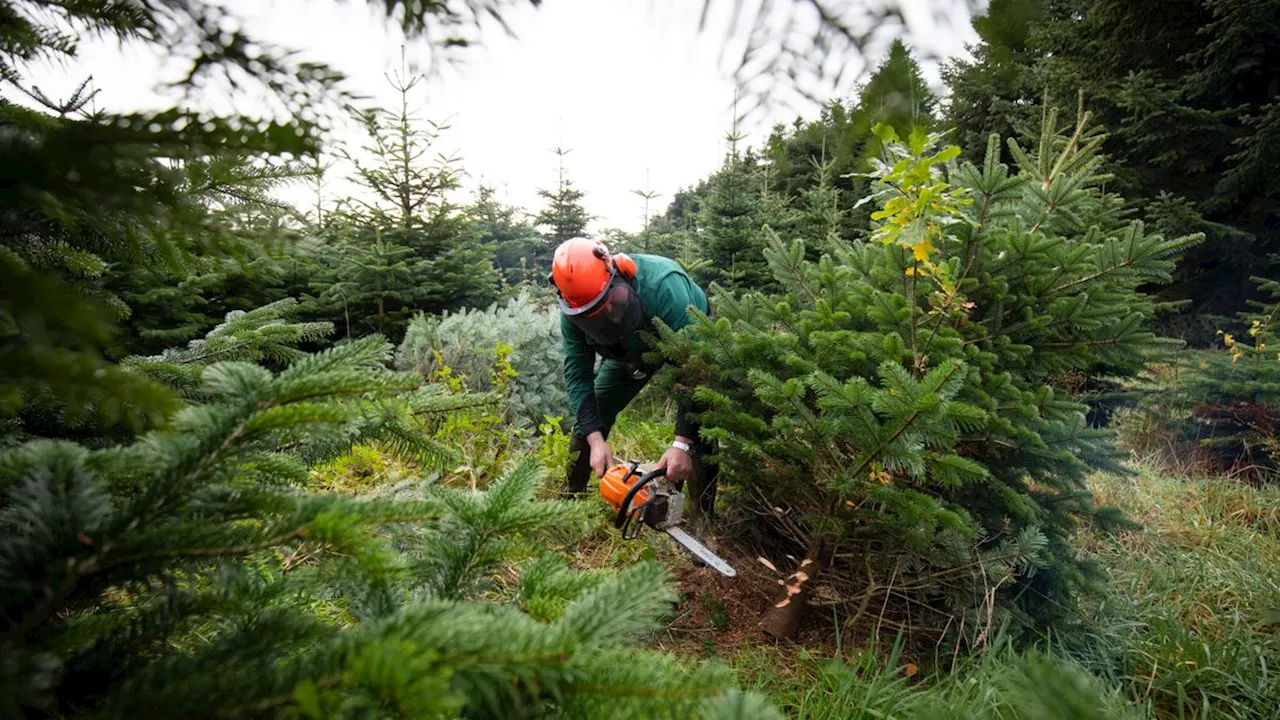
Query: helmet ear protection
{"x": 622, "y": 263}
{"x": 625, "y": 265}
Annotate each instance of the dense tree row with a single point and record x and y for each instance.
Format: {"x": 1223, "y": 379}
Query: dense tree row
{"x": 1188, "y": 93}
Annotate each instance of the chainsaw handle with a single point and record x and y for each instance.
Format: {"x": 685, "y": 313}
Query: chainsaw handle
{"x": 625, "y": 506}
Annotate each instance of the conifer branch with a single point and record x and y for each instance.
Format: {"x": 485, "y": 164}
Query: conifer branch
{"x": 258, "y": 707}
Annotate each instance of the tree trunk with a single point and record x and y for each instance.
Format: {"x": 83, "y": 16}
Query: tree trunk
{"x": 783, "y": 617}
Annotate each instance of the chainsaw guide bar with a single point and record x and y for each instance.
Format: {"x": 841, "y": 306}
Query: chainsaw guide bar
{"x": 643, "y": 496}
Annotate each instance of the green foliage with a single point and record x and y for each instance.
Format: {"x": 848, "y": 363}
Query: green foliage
{"x": 480, "y": 430}
{"x": 564, "y": 217}
{"x": 371, "y": 283}
{"x": 1183, "y": 627}
{"x": 107, "y": 213}
{"x": 268, "y": 336}
{"x": 897, "y": 396}
{"x": 408, "y": 250}
{"x": 1001, "y": 683}
{"x": 165, "y": 263}
{"x": 468, "y": 340}
{"x": 120, "y": 528}
{"x": 1180, "y": 632}
{"x": 731, "y": 220}
{"x": 57, "y": 313}
{"x": 357, "y": 470}
{"x": 805, "y": 183}
{"x": 509, "y": 232}
{"x": 1186, "y": 89}
{"x": 554, "y": 448}
{"x": 895, "y": 96}
{"x": 189, "y": 574}
{"x": 460, "y": 554}
{"x": 1220, "y": 413}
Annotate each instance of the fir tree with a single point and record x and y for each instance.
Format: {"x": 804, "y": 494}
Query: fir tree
{"x": 895, "y": 402}
{"x": 168, "y": 305}
{"x": 268, "y": 336}
{"x": 895, "y": 96}
{"x": 406, "y": 174}
{"x": 411, "y": 181}
{"x": 564, "y": 217}
{"x": 508, "y": 232}
{"x": 730, "y": 221}
{"x": 370, "y": 282}
{"x": 831, "y": 154}
{"x": 70, "y": 175}
{"x": 1229, "y": 397}
{"x": 992, "y": 94}
{"x": 821, "y": 216}
{"x": 648, "y": 195}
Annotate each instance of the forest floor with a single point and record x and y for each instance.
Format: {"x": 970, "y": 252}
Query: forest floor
{"x": 1187, "y": 625}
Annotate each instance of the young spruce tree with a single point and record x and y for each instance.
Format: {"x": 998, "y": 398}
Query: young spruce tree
{"x": 564, "y": 216}
{"x": 1230, "y": 397}
{"x": 892, "y": 411}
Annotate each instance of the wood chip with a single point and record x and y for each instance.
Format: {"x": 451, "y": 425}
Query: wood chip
{"x": 807, "y": 561}
{"x": 783, "y": 603}
{"x": 801, "y": 576}
{"x": 767, "y": 564}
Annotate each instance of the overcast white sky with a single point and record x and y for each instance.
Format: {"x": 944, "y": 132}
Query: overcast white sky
{"x": 629, "y": 85}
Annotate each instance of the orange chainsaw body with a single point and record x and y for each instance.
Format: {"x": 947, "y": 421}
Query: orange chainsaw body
{"x": 617, "y": 481}
{"x": 655, "y": 503}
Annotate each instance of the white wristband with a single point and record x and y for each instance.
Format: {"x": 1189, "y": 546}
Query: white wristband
{"x": 683, "y": 446}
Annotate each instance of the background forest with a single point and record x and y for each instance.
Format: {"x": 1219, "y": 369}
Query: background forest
{"x": 991, "y": 381}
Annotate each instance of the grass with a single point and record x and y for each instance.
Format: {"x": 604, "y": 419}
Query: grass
{"x": 1191, "y": 596}
{"x": 1001, "y": 683}
{"x": 1181, "y": 631}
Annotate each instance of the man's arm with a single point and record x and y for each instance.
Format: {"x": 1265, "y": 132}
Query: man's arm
{"x": 580, "y": 381}
{"x": 579, "y": 378}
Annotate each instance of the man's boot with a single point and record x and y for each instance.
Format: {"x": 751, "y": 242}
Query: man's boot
{"x": 579, "y": 467}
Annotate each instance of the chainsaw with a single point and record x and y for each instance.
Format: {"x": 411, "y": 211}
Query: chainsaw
{"x": 650, "y": 499}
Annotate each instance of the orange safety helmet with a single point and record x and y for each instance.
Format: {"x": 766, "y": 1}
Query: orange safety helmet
{"x": 592, "y": 290}
{"x": 581, "y": 271}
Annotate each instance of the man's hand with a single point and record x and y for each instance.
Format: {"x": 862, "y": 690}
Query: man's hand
{"x": 601, "y": 453}
{"x": 677, "y": 462}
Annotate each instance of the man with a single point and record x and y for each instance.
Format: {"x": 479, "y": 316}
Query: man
{"x": 606, "y": 303}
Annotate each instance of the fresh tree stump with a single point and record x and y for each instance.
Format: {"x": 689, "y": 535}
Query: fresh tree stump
{"x": 783, "y": 616}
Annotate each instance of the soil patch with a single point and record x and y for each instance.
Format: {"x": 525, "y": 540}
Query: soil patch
{"x": 721, "y": 615}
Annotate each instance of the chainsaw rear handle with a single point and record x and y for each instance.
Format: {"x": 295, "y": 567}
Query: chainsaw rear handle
{"x": 625, "y": 507}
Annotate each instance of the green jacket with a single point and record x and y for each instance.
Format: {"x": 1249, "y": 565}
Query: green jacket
{"x": 666, "y": 291}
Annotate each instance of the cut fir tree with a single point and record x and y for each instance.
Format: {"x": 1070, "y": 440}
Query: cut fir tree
{"x": 894, "y": 410}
